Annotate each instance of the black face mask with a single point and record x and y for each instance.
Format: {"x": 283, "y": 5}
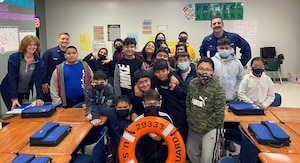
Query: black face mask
{"x": 159, "y": 41}
{"x": 102, "y": 57}
{"x": 119, "y": 48}
{"x": 257, "y": 71}
{"x": 182, "y": 39}
{"x": 99, "y": 87}
{"x": 151, "y": 111}
{"x": 205, "y": 77}
{"x": 121, "y": 114}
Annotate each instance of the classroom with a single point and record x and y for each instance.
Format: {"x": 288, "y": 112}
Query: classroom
{"x": 95, "y": 24}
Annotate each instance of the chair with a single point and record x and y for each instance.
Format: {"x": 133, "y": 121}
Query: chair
{"x": 277, "y": 100}
{"x": 248, "y": 152}
{"x": 273, "y": 65}
{"x": 98, "y": 153}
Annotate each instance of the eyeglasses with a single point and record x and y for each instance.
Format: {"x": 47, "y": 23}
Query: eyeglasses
{"x": 204, "y": 69}
{"x": 150, "y": 46}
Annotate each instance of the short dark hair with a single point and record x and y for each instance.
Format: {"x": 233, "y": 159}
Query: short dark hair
{"x": 208, "y": 60}
{"x": 182, "y": 54}
{"x": 160, "y": 64}
{"x": 138, "y": 74}
{"x": 258, "y": 59}
{"x": 99, "y": 75}
{"x": 129, "y": 40}
{"x": 71, "y": 47}
{"x": 123, "y": 98}
{"x": 181, "y": 44}
{"x": 215, "y": 17}
{"x": 183, "y": 32}
{"x": 151, "y": 94}
{"x": 102, "y": 49}
{"x": 118, "y": 39}
{"x": 161, "y": 50}
{"x": 223, "y": 41}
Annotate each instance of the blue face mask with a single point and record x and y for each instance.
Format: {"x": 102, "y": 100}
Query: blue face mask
{"x": 183, "y": 66}
{"x": 224, "y": 53}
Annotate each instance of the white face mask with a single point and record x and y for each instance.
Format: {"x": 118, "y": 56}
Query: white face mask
{"x": 224, "y": 53}
{"x": 183, "y": 66}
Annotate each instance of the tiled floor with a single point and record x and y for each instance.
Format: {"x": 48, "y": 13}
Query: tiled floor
{"x": 290, "y": 93}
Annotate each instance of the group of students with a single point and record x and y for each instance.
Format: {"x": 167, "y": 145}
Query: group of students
{"x": 155, "y": 82}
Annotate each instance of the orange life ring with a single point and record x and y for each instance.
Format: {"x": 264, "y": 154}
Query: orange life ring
{"x": 143, "y": 126}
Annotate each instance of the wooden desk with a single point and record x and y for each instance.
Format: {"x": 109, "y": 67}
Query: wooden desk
{"x": 286, "y": 114}
{"x": 66, "y": 147}
{"x": 295, "y": 126}
{"x": 7, "y": 157}
{"x": 71, "y": 115}
{"x": 294, "y": 137}
{"x": 42, "y": 119}
{"x": 279, "y": 157}
{"x": 15, "y": 136}
{"x": 59, "y": 158}
{"x": 231, "y": 117}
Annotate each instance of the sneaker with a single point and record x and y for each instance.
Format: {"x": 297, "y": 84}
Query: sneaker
{"x": 230, "y": 146}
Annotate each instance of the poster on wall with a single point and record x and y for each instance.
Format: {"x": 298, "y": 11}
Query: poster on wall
{"x": 189, "y": 12}
{"x": 248, "y": 30}
{"x": 98, "y": 45}
{"x": 147, "y": 27}
{"x": 98, "y": 33}
{"x": 23, "y": 33}
{"x": 227, "y": 11}
{"x": 163, "y": 29}
{"x": 134, "y": 35}
{"x": 9, "y": 38}
{"x": 113, "y": 32}
{"x": 85, "y": 41}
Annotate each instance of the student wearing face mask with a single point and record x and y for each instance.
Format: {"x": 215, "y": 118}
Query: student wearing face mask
{"x": 99, "y": 61}
{"x": 99, "y": 93}
{"x": 230, "y": 72}
{"x": 159, "y": 38}
{"x": 118, "y": 118}
{"x": 152, "y": 148}
{"x": 185, "y": 69}
{"x": 182, "y": 38}
{"x": 118, "y": 54}
{"x": 257, "y": 87}
{"x": 205, "y": 104}
{"x": 228, "y": 69}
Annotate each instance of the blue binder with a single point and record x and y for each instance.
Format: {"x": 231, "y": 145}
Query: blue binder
{"x": 269, "y": 133}
{"x": 38, "y": 111}
{"x": 241, "y": 108}
{"x": 50, "y": 135}
{"x": 30, "y": 158}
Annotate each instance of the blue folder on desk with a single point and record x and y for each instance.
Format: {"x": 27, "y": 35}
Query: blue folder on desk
{"x": 241, "y": 108}
{"x": 30, "y": 158}
{"x": 38, "y": 111}
{"x": 50, "y": 135}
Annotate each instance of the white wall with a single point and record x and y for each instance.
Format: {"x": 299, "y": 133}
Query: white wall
{"x": 278, "y": 22}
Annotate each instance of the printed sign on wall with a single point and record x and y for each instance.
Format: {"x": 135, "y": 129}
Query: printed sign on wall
{"x": 227, "y": 11}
